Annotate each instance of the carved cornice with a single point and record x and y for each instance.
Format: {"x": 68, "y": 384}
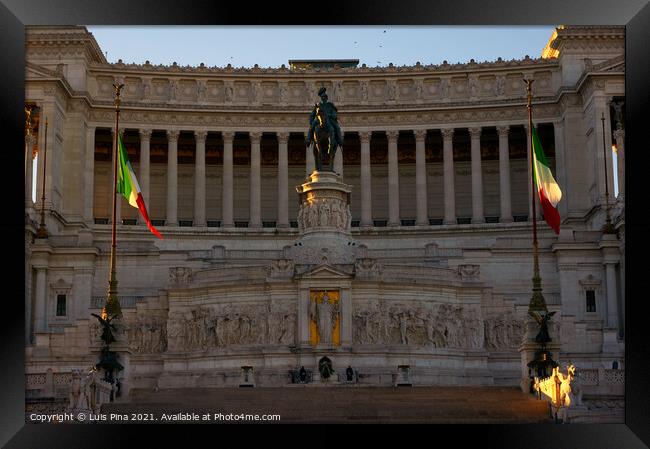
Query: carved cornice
{"x": 390, "y": 70}
{"x": 70, "y": 39}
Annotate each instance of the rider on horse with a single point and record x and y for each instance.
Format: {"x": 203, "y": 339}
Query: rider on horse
{"x": 331, "y": 125}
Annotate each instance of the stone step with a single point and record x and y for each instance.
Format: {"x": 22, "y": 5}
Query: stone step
{"x": 345, "y": 404}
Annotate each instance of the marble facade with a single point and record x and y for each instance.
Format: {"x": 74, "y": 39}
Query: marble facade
{"x": 425, "y": 237}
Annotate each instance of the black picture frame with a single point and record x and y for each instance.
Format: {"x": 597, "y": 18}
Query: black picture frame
{"x": 15, "y": 14}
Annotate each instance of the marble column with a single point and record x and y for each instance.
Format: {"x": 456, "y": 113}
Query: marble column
{"x": 504, "y": 174}
{"x": 118, "y": 203}
{"x": 30, "y": 141}
{"x": 338, "y": 161}
{"x": 619, "y": 135}
{"x": 538, "y": 212}
{"x": 478, "y": 216}
{"x": 89, "y": 175}
{"x": 227, "y": 190}
{"x": 199, "y": 178}
{"x": 172, "y": 178}
{"x": 393, "y": 179}
{"x": 255, "y": 181}
{"x": 283, "y": 179}
{"x": 145, "y": 166}
{"x": 366, "y": 179}
{"x": 560, "y": 162}
{"x": 310, "y": 164}
{"x": 421, "y": 178}
{"x": 448, "y": 175}
{"x": 40, "y": 302}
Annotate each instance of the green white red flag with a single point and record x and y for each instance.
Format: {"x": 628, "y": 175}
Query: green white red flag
{"x": 128, "y": 186}
{"x": 548, "y": 190}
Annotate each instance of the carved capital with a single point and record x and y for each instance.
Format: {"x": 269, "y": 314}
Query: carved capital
{"x": 227, "y": 136}
{"x": 172, "y": 135}
{"x": 447, "y": 133}
{"x": 475, "y": 132}
{"x": 255, "y": 136}
{"x": 392, "y": 135}
{"x": 364, "y": 136}
{"x": 503, "y": 131}
{"x": 200, "y": 135}
{"x": 283, "y": 136}
{"x": 420, "y": 134}
{"x": 145, "y": 134}
{"x": 619, "y": 135}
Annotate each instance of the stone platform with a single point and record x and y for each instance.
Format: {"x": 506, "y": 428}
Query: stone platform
{"x": 348, "y": 404}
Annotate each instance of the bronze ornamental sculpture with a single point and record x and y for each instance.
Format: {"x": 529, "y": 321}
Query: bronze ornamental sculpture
{"x": 324, "y": 131}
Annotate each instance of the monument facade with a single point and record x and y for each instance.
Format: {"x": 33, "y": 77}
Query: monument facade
{"x": 411, "y": 249}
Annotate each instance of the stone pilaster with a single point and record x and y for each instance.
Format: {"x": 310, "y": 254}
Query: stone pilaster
{"x": 366, "y": 179}
{"x": 199, "y": 178}
{"x": 448, "y": 175}
{"x": 40, "y": 301}
{"x": 393, "y": 179}
{"x": 88, "y": 177}
{"x": 478, "y": 215}
{"x": 227, "y": 191}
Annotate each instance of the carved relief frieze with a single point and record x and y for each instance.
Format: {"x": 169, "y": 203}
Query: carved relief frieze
{"x": 219, "y": 326}
{"x": 417, "y": 324}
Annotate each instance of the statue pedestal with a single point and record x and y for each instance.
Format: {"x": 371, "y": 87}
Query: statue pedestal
{"x": 324, "y": 204}
{"x": 324, "y": 221}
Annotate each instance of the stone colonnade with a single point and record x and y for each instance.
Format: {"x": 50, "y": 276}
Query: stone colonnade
{"x": 366, "y": 219}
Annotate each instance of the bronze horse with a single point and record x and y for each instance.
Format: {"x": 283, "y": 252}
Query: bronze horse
{"x": 323, "y": 144}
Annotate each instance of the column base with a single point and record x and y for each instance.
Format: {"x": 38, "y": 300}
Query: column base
{"x": 508, "y": 219}
{"x": 478, "y": 220}
{"x": 449, "y": 222}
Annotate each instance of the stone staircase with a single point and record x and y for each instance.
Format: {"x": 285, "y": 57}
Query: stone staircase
{"x": 346, "y": 404}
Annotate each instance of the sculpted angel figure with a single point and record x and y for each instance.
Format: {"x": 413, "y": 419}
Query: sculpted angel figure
{"x": 542, "y": 319}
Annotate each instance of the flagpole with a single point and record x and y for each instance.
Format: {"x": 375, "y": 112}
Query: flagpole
{"x": 537, "y": 301}
{"x": 112, "y": 307}
{"x": 41, "y": 233}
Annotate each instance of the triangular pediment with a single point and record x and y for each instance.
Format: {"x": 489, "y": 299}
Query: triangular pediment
{"x": 325, "y": 272}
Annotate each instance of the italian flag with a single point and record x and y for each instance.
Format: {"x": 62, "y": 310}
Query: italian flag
{"x": 549, "y": 192}
{"x": 127, "y": 185}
